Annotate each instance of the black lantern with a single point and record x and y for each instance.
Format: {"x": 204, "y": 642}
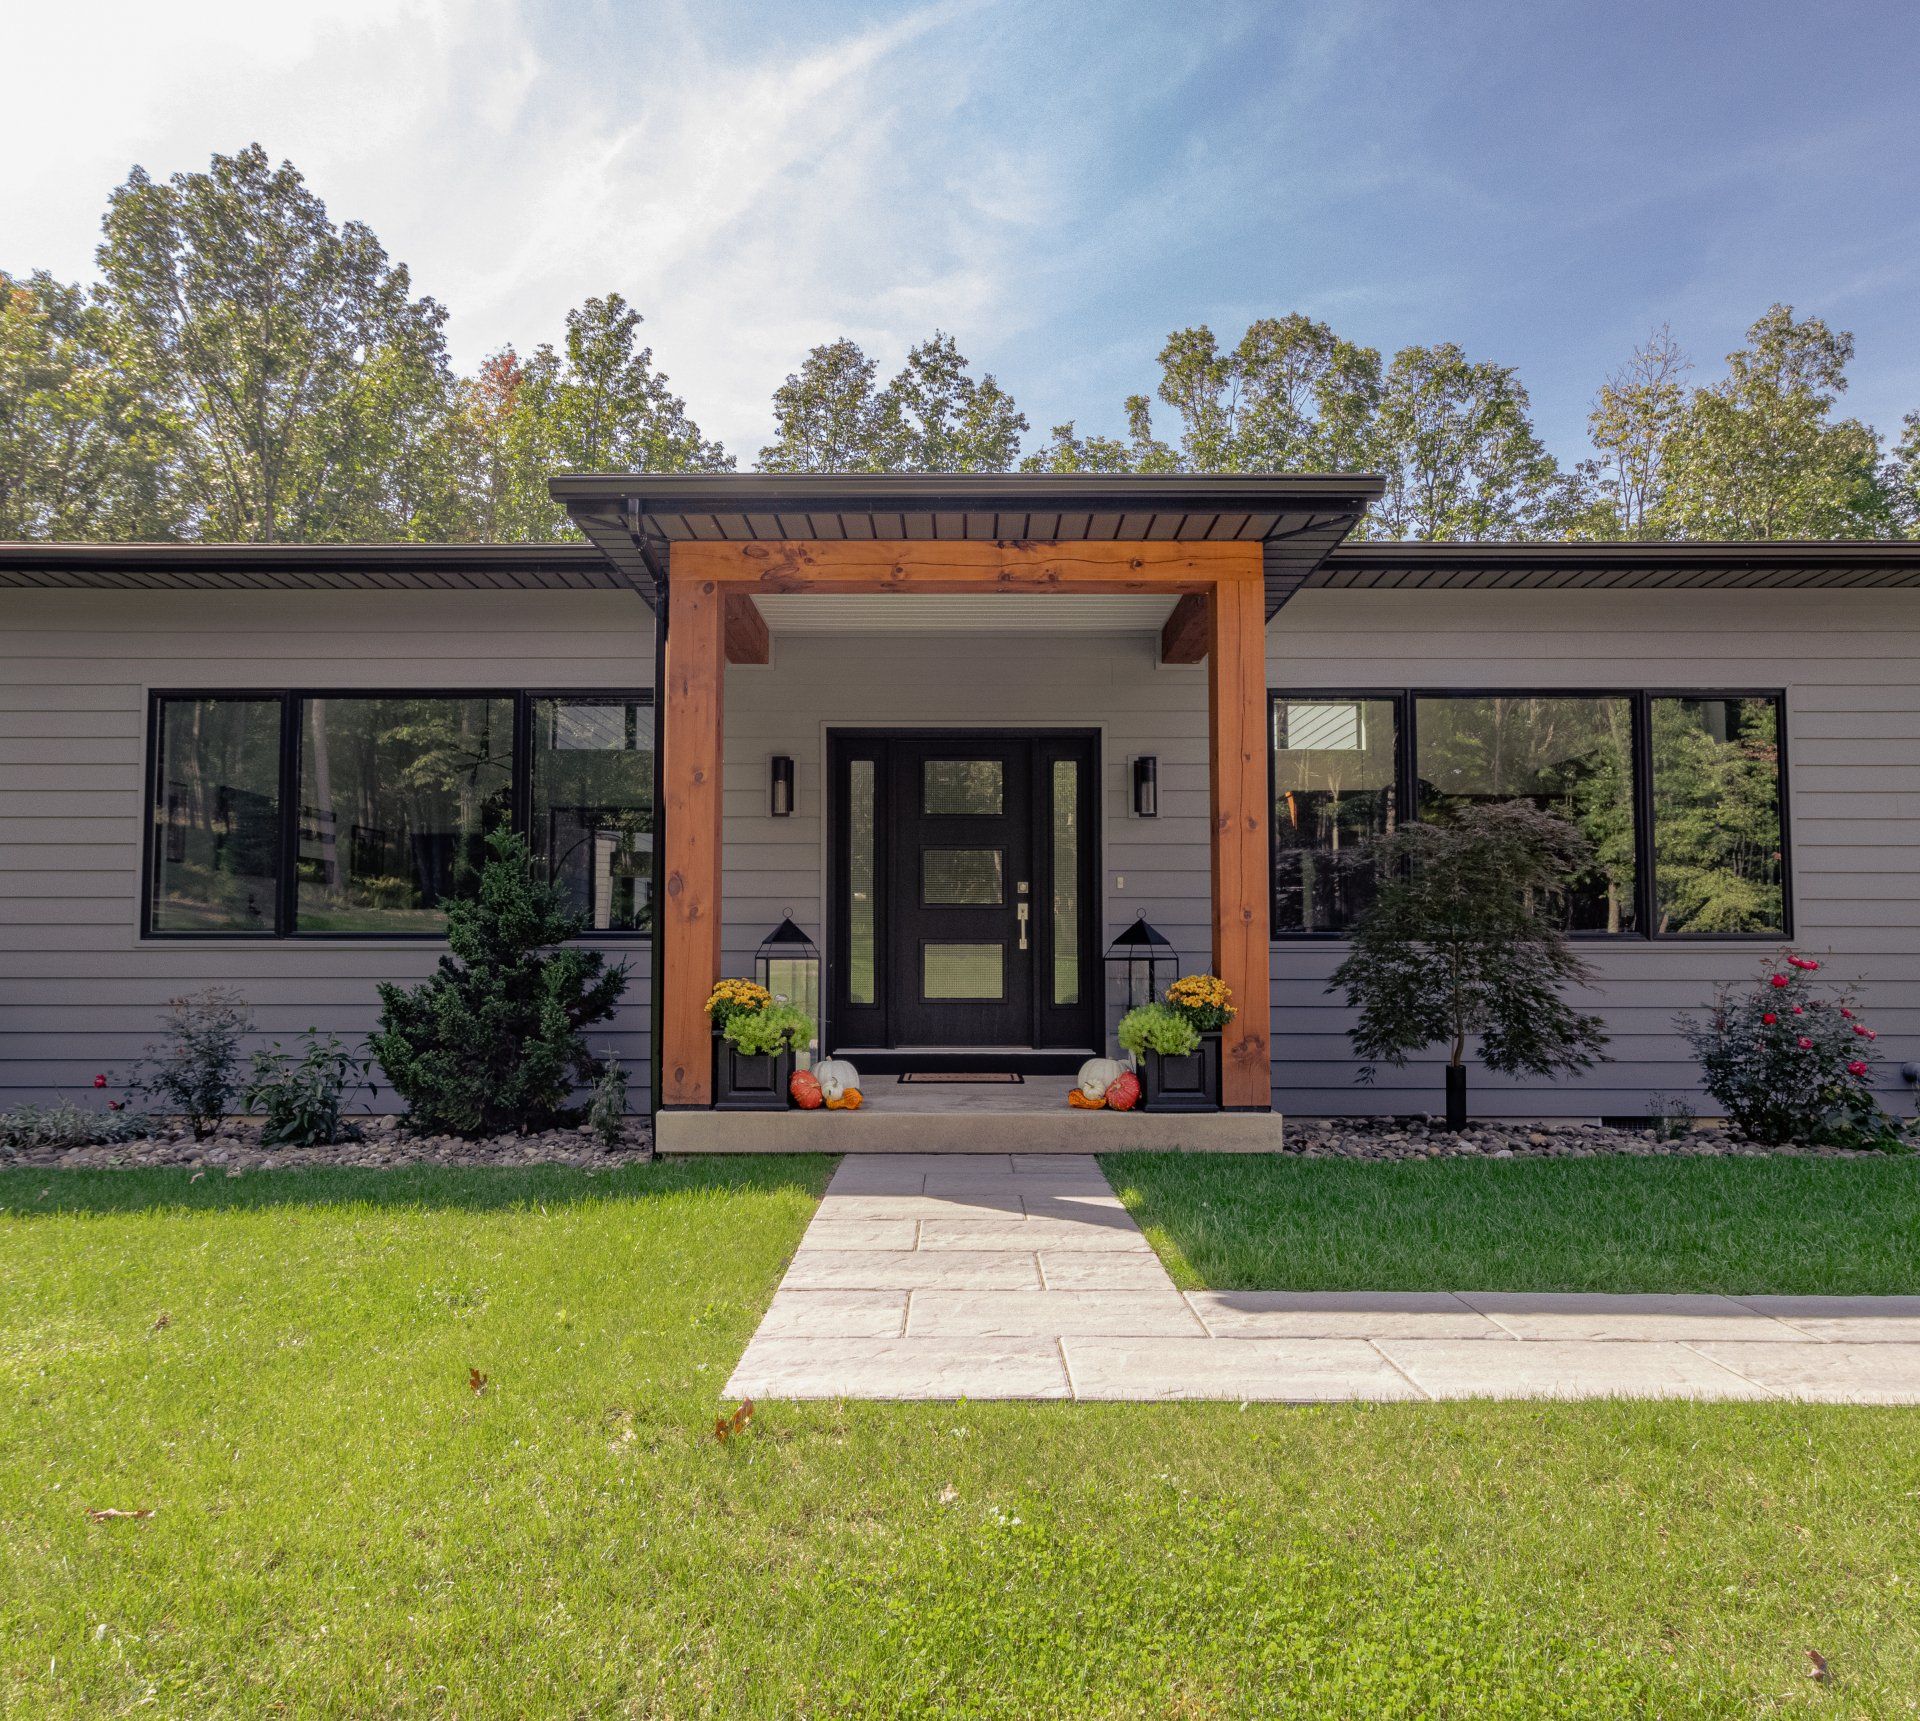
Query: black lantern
{"x": 781, "y": 785}
{"x": 1142, "y": 960}
{"x": 1146, "y": 787}
{"x": 788, "y": 965}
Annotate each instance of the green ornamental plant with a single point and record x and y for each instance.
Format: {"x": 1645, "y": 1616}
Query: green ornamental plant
{"x": 607, "y": 1110}
{"x": 1158, "y": 1028}
{"x": 302, "y": 1098}
{"x": 763, "y": 1033}
{"x": 494, "y": 1040}
{"x": 194, "y": 1068}
{"x": 1463, "y": 942}
{"x": 1791, "y": 1061}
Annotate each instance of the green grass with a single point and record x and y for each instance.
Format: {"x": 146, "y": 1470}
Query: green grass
{"x": 341, "y": 1527}
{"x": 1733, "y": 1225}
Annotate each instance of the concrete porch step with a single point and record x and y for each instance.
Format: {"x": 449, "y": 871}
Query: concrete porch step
{"x": 1055, "y": 1129}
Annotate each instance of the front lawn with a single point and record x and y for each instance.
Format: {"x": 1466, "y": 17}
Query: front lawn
{"x": 1265, "y": 1222}
{"x": 342, "y": 1526}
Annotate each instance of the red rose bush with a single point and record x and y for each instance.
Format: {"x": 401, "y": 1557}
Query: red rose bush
{"x": 1791, "y": 1061}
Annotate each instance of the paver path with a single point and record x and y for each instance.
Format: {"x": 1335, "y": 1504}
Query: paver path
{"x": 1022, "y": 1276}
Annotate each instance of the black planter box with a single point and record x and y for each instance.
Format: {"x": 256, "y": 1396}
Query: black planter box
{"x": 1190, "y": 1083}
{"x": 750, "y": 1081}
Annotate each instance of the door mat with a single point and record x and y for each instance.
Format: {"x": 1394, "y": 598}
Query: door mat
{"x": 1013, "y": 1076}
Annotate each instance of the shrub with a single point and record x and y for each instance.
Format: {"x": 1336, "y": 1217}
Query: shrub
{"x": 494, "y": 1040}
{"x": 195, "y": 1069}
{"x": 607, "y": 1111}
{"x": 1204, "y": 1000}
{"x": 1790, "y": 1061}
{"x": 301, "y": 1099}
{"x": 1461, "y": 941}
{"x": 1157, "y": 1028}
{"x": 68, "y": 1125}
{"x": 777, "y": 1028}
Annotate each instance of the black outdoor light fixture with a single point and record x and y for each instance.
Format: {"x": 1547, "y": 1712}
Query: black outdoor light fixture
{"x": 1143, "y": 961}
{"x": 782, "y": 786}
{"x": 1146, "y": 787}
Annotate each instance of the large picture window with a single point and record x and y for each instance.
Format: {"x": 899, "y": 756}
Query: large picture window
{"x": 1680, "y": 795}
{"x": 362, "y": 815}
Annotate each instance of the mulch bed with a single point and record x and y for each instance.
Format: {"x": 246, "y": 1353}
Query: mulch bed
{"x": 1424, "y": 1138}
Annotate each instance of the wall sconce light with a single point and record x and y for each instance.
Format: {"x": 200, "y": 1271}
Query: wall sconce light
{"x": 1146, "y": 787}
{"x": 782, "y": 786}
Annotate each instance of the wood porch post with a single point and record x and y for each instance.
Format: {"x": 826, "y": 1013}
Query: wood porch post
{"x": 1237, "y": 753}
{"x": 689, "y": 919}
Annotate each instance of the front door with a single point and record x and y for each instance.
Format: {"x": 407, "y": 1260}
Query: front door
{"x": 964, "y": 895}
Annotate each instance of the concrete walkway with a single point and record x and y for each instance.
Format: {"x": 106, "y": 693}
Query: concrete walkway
{"x": 1022, "y": 1276}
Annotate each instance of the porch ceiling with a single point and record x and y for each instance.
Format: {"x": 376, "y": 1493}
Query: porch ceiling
{"x": 636, "y": 518}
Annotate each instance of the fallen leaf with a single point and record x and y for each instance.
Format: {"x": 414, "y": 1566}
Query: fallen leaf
{"x": 476, "y": 1380}
{"x": 1816, "y": 1666}
{"x": 949, "y": 1495}
{"x": 195, "y": 1178}
{"x": 725, "y": 1427}
{"x": 100, "y": 1514}
{"x": 163, "y": 1320}
{"x": 45, "y": 1193}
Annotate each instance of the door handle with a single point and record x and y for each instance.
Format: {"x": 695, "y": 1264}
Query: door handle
{"x": 1021, "y": 911}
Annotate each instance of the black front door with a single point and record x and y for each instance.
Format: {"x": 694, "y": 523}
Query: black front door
{"x": 965, "y": 869}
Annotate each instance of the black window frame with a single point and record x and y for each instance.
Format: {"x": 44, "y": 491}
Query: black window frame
{"x": 1406, "y": 700}
{"x": 289, "y": 699}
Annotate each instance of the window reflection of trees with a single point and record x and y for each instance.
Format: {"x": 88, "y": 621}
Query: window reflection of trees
{"x": 1718, "y": 859}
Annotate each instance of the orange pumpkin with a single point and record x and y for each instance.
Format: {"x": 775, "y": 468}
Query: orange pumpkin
{"x": 805, "y": 1089}
{"x": 847, "y": 1099}
{"x": 1124, "y": 1093}
{"x": 1077, "y": 1098}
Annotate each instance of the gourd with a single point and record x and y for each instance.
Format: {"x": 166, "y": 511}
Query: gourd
{"x": 1077, "y": 1098}
{"x": 1124, "y": 1093}
{"x": 805, "y": 1089}
{"x": 1097, "y": 1075}
{"x": 847, "y": 1099}
{"x": 835, "y": 1076}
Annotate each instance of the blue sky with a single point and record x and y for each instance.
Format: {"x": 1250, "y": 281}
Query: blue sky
{"x": 1057, "y": 185}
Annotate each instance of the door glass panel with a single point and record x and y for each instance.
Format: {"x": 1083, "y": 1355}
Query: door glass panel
{"x": 860, "y": 903}
{"x": 967, "y": 971}
{"x": 961, "y": 876}
{"x": 971, "y": 787}
{"x": 1066, "y": 881}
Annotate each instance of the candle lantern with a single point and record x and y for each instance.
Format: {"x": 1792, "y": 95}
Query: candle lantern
{"x": 788, "y": 965}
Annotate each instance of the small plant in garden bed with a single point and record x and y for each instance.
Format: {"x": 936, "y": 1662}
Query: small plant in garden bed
{"x": 494, "y": 1041}
{"x": 607, "y": 1111}
{"x": 65, "y": 1124}
{"x": 1791, "y": 1061}
{"x": 194, "y": 1070}
{"x": 1461, "y": 943}
{"x": 1158, "y": 1028}
{"x": 302, "y": 1098}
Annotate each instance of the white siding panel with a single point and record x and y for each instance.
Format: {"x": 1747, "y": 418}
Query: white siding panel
{"x": 1849, "y": 663}
{"x": 80, "y": 990}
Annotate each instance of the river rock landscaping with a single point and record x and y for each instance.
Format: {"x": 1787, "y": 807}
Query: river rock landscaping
{"x": 1428, "y": 1138}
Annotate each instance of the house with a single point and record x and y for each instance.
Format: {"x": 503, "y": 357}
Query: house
{"x": 963, "y": 731}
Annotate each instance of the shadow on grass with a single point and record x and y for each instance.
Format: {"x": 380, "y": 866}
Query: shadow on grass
{"x": 38, "y": 1193}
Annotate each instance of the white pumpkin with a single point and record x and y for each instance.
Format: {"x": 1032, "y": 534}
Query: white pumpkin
{"x": 1097, "y": 1075}
{"x": 835, "y": 1076}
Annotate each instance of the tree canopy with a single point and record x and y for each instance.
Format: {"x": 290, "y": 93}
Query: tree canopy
{"x": 248, "y": 368}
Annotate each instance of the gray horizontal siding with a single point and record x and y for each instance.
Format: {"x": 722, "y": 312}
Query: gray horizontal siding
{"x": 1850, "y": 665}
{"x": 80, "y": 991}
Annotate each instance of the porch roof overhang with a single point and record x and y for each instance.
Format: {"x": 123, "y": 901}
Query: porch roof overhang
{"x": 636, "y": 518}
{"x": 311, "y": 567}
{"x": 1614, "y": 566}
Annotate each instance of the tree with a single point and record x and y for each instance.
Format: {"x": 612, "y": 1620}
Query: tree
{"x": 1759, "y": 454}
{"x": 1903, "y": 476}
{"x": 1456, "y": 441}
{"x": 1460, "y": 942}
{"x": 1141, "y": 452}
{"x": 933, "y": 416}
{"x": 301, "y": 379}
{"x": 1632, "y": 425}
{"x": 79, "y": 452}
{"x": 1291, "y": 396}
{"x": 494, "y": 1040}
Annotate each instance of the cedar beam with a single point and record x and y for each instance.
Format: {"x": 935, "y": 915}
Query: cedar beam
{"x": 1184, "y": 638}
{"x": 966, "y": 565}
{"x": 747, "y": 637}
{"x": 689, "y": 919}
{"x": 1237, "y": 700}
